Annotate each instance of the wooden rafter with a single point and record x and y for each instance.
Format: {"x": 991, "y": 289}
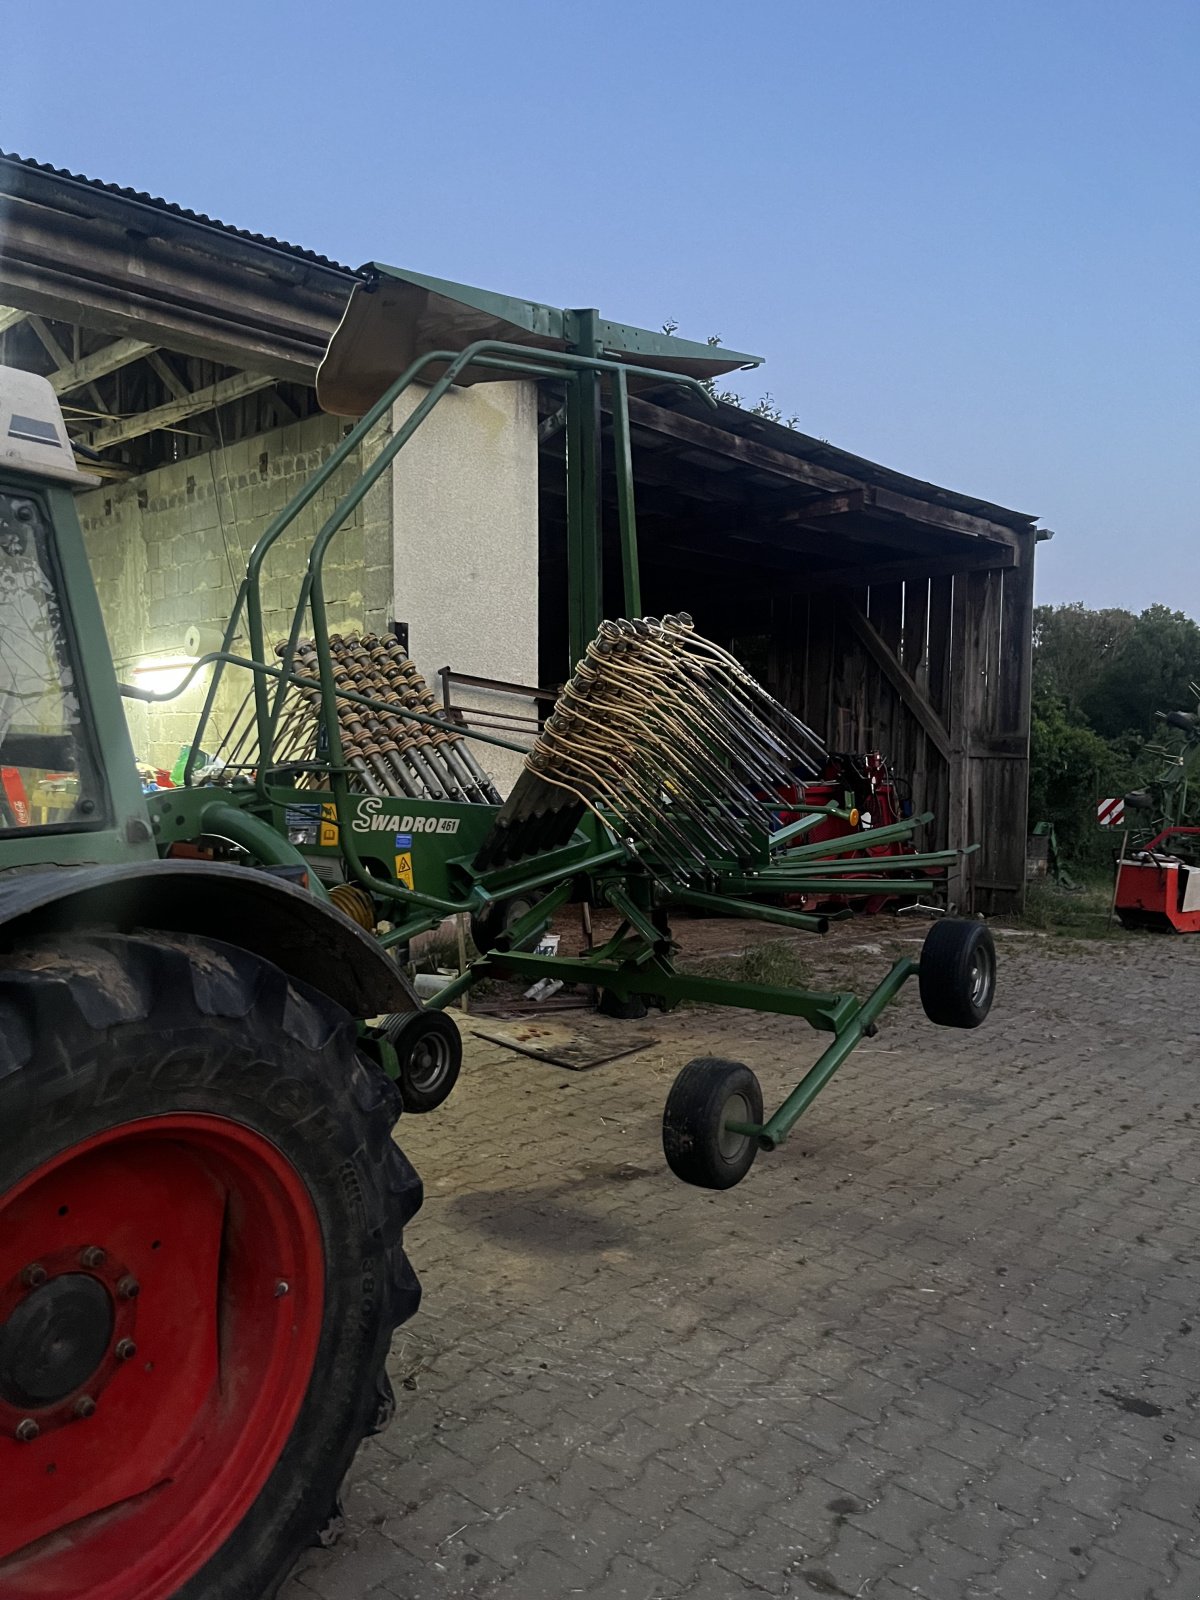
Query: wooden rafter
{"x": 717, "y": 441}
{"x": 283, "y": 411}
{"x": 62, "y": 359}
{"x": 872, "y": 502}
{"x": 79, "y": 374}
{"x": 166, "y": 416}
{"x": 49, "y": 341}
{"x": 915, "y": 569}
{"x": 167, "y": 376}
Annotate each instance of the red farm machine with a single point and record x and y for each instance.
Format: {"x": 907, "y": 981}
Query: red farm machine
{"x": 202, "y": 1202}
{"x": 1158, "y": 874}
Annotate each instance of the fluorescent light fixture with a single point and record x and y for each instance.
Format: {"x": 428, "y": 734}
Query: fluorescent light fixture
{"x": 162, "y": 674}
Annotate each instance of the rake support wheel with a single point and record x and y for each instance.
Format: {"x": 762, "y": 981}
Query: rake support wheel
{"x": 428, "y": 1050}
{"x": 489, "y": 928}
{"x": 201, "y": 1265}
{"x": 707, "y": 1094}
{"x": 957, "y": 977}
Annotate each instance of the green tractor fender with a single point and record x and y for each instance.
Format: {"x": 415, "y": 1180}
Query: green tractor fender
{"x": 306, "y": 938}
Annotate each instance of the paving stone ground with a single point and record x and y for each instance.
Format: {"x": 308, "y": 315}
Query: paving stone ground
{"x": 945, "y": 1343}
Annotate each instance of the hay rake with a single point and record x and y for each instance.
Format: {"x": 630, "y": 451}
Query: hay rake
{"x": 654, "y": 786}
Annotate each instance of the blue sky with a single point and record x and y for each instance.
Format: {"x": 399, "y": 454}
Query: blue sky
{"x": 965, "y": 236}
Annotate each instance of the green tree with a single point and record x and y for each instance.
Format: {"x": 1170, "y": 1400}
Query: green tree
{"x": 1151, "y": 669}
{"x": 1072, "y": 646}
{"x": 1099, "y": 679}
{"x": 1070, "y": 767}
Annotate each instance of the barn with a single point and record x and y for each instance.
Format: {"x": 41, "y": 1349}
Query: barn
{"x": 892, "y": 614}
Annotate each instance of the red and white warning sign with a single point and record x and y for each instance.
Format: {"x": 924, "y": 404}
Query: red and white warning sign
{"x": 1110, "y": 813}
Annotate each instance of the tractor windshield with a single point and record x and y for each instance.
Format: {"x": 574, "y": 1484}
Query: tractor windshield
{"x": 45, "y": 779}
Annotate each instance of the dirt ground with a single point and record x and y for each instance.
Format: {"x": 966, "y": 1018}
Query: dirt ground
{"x": 940, "y": 1344}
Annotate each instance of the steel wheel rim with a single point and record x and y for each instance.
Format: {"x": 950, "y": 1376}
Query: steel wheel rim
{"x": 982, "y": 976}
{"x": 732, "y": 1145}
{"x": 127, "y": 1496}
{"x": 429, "y": 1062}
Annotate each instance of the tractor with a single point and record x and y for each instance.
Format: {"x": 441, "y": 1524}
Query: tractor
{"x": 202, "y": 1247}
{"x": 206, "y": 1034}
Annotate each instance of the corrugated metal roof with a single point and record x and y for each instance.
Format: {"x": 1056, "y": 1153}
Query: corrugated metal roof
{"x": 156, "y": 203}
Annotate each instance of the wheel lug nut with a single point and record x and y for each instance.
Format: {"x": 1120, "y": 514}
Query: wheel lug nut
{"x": 93, "y": 1256}
{"x": 85, "y": 1407}
{"x": 27, "y": 1431}
{"x": 126, "y": 1350}
{"x": 34, "y": 1275}
{"x": 129, "y": 1288}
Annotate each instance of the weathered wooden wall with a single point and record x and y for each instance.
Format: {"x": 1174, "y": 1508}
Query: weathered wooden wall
{"x": 933, "y": 672}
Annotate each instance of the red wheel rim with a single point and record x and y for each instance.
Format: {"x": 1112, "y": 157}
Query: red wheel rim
{"x": 212, "y": 1276}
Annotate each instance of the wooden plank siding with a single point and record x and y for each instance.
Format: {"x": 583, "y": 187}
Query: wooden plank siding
{"x": 957, "y": 649}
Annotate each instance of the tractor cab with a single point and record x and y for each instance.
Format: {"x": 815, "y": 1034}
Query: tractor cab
{"x": 68, "y": 788}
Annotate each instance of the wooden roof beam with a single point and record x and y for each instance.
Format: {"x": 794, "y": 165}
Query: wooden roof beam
{"x": 872, "y": 543}
{"x": 871, "y": 501}
{"x": 167, "y": 376}
{"x": 217, "y": 394}
{"x": 61, "y": 359}
{"x": 49, "y": 343}
{"x": 78, "y": 374}
{"x": 914, "y": 570}
{"x": 717, "y": 441}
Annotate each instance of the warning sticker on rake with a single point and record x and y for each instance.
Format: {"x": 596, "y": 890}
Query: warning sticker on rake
{"x": 404, "y": 867}
{"x": 1110, "y": 813}
{"x": 329, "y": 832}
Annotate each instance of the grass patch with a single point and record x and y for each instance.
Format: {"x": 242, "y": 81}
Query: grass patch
{"x": 1078, "y": 913}
{"x": 777, "y": 962}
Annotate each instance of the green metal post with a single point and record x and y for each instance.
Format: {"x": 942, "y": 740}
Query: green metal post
{"x": 577, "y": 636}
{"x": 585, "y": 558}
{"x": 626, "y": 512}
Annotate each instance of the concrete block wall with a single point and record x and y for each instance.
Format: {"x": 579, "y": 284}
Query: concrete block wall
{"x": 168, "y": 549}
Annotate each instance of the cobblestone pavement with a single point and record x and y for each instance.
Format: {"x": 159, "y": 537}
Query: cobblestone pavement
{"x": 941, "y": 1344}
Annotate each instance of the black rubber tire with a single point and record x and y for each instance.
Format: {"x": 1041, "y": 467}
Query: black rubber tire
{"x": 428, "y": 1050}
{"x": 630, "y": 1009}
{"x": 488, "y": 927}
{"x": 958, "y": 972}
{"x": 693, "y": 1122}
{"x": 99, "y": 1029}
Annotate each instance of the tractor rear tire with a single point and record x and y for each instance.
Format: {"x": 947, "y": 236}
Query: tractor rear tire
{"x": 957, "y": 977}
{"x": 201, "y": 1266}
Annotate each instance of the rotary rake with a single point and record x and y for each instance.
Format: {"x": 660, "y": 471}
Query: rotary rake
{"x": 670, "y": 754}
{"x": 655, "y": 786}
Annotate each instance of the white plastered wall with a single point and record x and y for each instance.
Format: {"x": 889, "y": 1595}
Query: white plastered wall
{"x": 466, "y": 546}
